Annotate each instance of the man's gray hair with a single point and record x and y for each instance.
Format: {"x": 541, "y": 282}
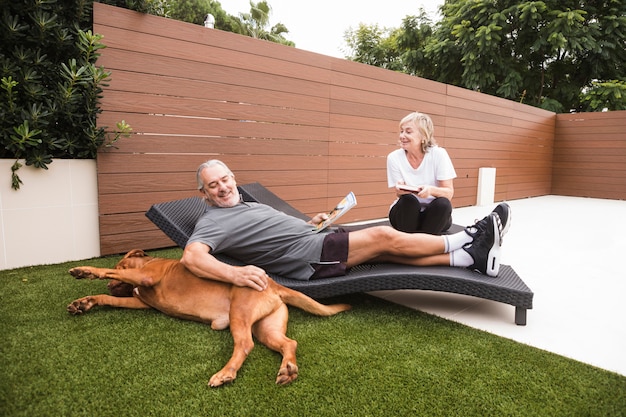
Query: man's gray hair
{"x": 208, "y": 164}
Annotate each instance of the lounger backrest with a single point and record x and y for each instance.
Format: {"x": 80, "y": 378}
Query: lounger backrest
{"x": 178, "y": 218}
{"x": 256, "y": 192}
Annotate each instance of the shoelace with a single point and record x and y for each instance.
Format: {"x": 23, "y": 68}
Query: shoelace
{"x": 498, "y": 223}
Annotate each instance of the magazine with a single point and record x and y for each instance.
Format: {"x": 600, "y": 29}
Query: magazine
{"x": 342, "y": 208}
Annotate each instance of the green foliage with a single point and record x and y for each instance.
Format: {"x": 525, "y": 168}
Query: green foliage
{"x": 604, "y": 96}
{"x": 411, "y": 40}
{"x": 374, "y": 46}
{"x": 254, "y": 23}
{"x": 379, "y": 359}
{"x": 551, "y": 54}
{"x": 50, "y": 86}
{"x": 154, "y": 7}
{"x": 195, "y": 11}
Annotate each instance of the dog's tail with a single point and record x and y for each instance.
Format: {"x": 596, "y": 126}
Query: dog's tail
{"x": 306, "y": 303}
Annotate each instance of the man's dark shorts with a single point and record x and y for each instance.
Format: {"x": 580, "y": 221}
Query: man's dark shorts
{"x": 334, "y": 255}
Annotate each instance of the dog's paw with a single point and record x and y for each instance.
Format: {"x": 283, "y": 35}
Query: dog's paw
{"x": 222, "y": 378}
{"x": 80, "y": 306}
{"x": 287, "y": 374}
{"x": 81, "y": 272}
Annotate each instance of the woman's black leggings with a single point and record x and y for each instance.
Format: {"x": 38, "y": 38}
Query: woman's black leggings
{"x": 406, "y": 216}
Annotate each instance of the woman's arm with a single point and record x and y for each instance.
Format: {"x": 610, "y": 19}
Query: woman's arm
{"x": 444, "y": 188}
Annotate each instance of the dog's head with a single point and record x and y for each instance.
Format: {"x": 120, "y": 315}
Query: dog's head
{"x": 136, "y": 258}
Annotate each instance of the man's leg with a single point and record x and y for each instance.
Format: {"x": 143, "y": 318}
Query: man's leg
{"x": 385, "y": 244}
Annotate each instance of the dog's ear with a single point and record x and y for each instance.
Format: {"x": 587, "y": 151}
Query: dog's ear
{"x": 135, "y": 253}
{"x": 136, "y": 258}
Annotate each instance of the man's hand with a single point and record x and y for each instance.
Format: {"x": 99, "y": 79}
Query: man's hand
{"x": 318, "y": 218}
{"x": 249, "y": 276}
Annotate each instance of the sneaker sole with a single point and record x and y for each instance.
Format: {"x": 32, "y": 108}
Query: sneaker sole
{"x": 493, "y": 258}
{"x": 505, "y": 227}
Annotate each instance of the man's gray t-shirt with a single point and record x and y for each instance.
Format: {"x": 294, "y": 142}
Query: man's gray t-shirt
{"x": 257, "y": 234}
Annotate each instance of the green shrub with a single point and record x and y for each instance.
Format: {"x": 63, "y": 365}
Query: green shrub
{"x": 50, "y": 86}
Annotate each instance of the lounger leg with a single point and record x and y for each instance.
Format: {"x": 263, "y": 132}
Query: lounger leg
{"x": 520, "y": 316}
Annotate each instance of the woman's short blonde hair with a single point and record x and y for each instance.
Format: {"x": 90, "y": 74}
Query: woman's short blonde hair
{"x": 425, "y": 128}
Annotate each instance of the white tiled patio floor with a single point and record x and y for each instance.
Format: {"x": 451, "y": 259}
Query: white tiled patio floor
{"x": 571, "y": 252}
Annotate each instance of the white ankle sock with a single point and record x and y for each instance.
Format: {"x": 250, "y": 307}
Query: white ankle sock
{"x": 456, "y": 241}
{"x": 460, "y": 258}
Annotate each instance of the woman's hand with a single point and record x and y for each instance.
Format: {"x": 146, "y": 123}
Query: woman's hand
{"x": 425, "y": 191}
{"x": 402, "y": 191}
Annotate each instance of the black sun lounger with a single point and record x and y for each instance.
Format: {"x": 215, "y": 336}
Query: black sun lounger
{"x": 178, "y": 218}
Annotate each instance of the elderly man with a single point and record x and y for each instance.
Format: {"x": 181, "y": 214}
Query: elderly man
{"x": 268, "y": 240}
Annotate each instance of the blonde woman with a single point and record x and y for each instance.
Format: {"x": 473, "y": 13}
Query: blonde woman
{"x": 425, "y": 205}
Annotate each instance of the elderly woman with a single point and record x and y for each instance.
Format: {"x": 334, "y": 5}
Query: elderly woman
{"x": 421, "y": 174}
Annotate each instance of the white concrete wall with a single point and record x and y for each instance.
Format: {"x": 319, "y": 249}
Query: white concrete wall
{"x": 53, "y": 217}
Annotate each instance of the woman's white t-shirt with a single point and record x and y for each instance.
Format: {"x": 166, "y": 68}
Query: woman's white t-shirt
{"x": 436, "y": 166}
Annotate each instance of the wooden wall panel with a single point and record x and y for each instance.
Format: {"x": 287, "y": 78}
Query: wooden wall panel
{"x": 590, "y": 155}
{"x": 485, "y": 131}
{"x": 307, "y": 126}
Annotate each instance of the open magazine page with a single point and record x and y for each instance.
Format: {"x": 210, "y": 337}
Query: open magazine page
{"x": 342, "y": 208}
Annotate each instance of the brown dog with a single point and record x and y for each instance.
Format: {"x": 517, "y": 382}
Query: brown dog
{"x": 166, "y": 285}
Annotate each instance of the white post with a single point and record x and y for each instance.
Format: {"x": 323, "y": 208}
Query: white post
{"x": 486, "y": 186}
{"x": 209, "y": 22}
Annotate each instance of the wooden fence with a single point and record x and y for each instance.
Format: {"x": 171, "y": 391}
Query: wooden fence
{"x": 590, "y": 155}
{"x": 308, "y": 126}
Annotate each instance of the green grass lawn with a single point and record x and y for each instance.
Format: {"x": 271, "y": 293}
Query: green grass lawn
{"x": 377, "y": 359}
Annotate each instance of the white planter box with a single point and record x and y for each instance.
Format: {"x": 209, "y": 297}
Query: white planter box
{"x": 53, "y": 217}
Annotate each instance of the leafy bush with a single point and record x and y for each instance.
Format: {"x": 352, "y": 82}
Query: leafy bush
{"x": 50, "y": 86}
{"x": 609, "y": 95}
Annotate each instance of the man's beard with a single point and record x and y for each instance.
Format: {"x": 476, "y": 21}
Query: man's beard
{"x": 233, "y": 199}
